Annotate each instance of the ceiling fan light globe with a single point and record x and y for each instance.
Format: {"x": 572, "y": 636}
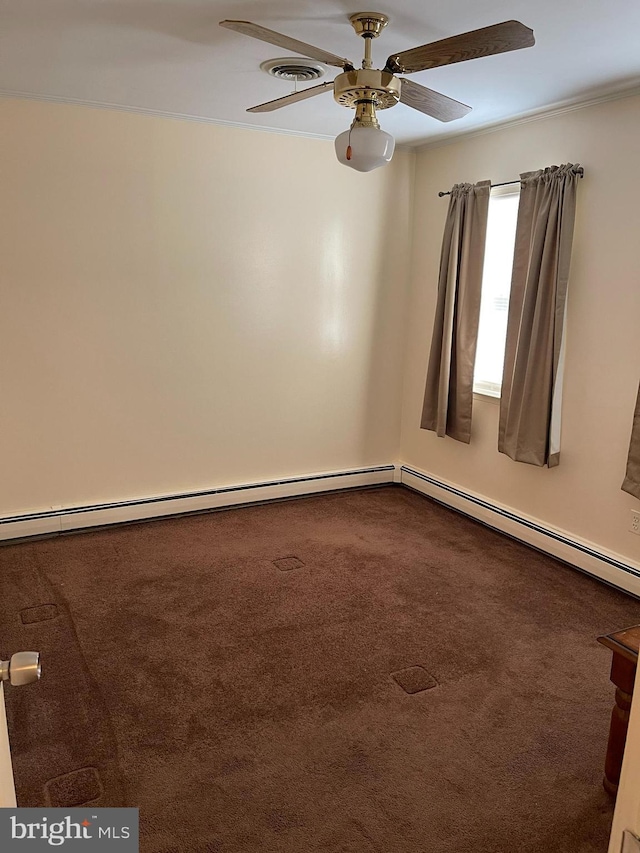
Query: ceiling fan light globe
{"x": 370, "y": 148}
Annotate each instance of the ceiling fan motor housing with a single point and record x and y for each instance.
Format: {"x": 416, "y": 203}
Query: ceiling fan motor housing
{"x": 367, "y": 84}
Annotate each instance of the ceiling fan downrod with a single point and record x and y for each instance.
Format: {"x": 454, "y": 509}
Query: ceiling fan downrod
{"x": 369, "y": 25}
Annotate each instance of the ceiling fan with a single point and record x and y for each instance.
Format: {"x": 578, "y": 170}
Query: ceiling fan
{"x": 364, "y": 146}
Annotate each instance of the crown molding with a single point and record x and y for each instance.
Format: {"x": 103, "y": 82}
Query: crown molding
{"x": 539, "y": 114}
{"x": 105, "y": 105}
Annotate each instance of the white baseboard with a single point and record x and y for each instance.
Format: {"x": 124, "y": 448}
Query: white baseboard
{"x": 612, "y": 568}
{"x": 590, "y": 558}
{"x": 61, "y": 519}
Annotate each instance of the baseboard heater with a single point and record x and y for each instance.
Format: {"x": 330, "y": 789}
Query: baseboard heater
{"x": 585, "y": 556}
{"x": 62, "y": 519}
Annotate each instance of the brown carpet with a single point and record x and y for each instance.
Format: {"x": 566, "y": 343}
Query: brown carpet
{"x": 354, "y": 672}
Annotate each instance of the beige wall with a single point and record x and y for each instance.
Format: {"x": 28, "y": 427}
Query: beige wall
{"x": 582, "y": 495}
{"x": 185, "y": 305}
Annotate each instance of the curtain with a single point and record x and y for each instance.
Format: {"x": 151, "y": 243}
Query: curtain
{"x": 534, "y": 354}
{"x": 448, "y": 397}
{"x": 632, "y": 480}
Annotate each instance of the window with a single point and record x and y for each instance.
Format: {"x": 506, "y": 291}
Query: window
{"x": 496, "y": 285}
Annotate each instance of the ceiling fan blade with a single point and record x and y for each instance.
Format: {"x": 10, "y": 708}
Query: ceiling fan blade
{"x": 499, "y": 38}
{"x": 262, "y": 33}
{"x": 432, "y": 103}
{"x": 291, "y": 99}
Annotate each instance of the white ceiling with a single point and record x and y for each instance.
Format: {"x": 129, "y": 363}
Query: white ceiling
{"x": 171, "y": 56}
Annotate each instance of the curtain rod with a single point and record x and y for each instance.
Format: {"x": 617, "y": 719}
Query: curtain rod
{"x": 580, "y": 174}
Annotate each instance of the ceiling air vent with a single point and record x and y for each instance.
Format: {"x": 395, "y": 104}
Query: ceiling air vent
{"x": 294, "y": 68}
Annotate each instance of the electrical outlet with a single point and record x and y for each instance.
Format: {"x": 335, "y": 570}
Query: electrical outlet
{"x": 634, "y": 527}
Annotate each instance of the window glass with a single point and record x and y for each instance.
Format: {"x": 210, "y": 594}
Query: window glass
{"x": 496, "y": 284}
